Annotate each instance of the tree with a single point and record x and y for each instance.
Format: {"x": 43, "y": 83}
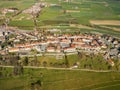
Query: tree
{"x": 79, "y": 55}
{"x": 85, "y": 65}
{"x": 15, "y": 70}
{"x": 18, "y": 69}
{"x": 32, "y": 86}
{"x": 1, "y": 74}
{"x": 44, "y": 63}
{"x": 35, "y": 60}
{"x": 25, "y": 61}
{"x": 66, "y": 61}
{"x": 21, "y": 69}
{"x": 36, "y": 85}
{"x": 0, "y": 57}
{"x": 90, "y": 66}
{"x": 109, "y": 67}
{"x": 18, "y": 57}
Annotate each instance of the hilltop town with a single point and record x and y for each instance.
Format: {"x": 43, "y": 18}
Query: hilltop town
{"x": 59, "y": 44}
{"x": 55, "y": 42}
{"x": 54, "y": 29}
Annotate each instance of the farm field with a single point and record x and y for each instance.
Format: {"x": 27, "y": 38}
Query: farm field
{"x": 58, "y": 13}
{"x": 20, "y": 4}
{"x": 62, "y": 80}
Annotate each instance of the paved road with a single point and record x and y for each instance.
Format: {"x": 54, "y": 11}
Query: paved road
{"x": 48, "y": 54}
{"x": 54, "y": 54}
{"x": 71, "y": 69}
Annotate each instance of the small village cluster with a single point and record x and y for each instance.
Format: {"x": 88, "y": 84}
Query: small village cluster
{"x": 59, "y": 42}
{"x": 66, "y": 42}
{"x": 54, "y": 40}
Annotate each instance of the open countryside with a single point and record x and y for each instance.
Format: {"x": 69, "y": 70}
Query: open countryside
{"x": 59, "y": 44}
{"x": 64, "y": 80}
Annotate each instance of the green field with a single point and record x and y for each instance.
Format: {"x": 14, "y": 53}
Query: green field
{"x": 20, "y": 4}
{"x": 84, "y": 62}
{"x": 58, "y": 15}
{"x": 62, "y": 80}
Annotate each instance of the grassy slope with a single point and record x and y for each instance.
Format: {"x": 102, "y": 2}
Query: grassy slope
{"x": 63, "y": 80}
{"x": 20, "y": 4}
{"x": 96, "y": 63}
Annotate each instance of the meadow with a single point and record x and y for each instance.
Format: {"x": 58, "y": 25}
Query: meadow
{"x": 62, "y": 80}
{"x": 84, "y": 62}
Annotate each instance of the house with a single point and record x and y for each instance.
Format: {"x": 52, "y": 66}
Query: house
{"x": 28, "y": 48}
{"x": 86, "y": 40}
{"x": 43, "y": 48}
{"x": 9, "y": 10}
{"x": 38, "y": 48}
{"x": 104, "y": 46}
{"x": 115, "y": 42}
{"x": 58, "y": 50}
{"x": 2, "y": 52}
{"x": 70, "y": 49}
{"x": 17, "y": 40}
{"x": 50, "y": 49}
{"x": 13, "y": 49}
{"x": 114, "y": 52}
{"x": 64, "y": 45}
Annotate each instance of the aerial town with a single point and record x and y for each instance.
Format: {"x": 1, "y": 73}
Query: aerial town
{"x": 55, "y": 42}
{"x": 59, "y": 44}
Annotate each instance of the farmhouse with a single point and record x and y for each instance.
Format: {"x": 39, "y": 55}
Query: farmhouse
{"x": 9, "y": 10}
